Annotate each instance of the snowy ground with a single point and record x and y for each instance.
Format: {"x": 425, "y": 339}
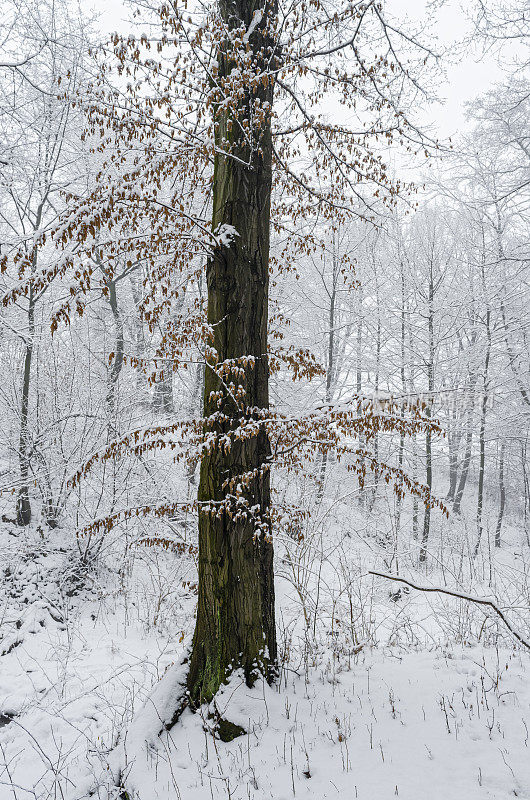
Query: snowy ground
{"x": 397, "y": 720}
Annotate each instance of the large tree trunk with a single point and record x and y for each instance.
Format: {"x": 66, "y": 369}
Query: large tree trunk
{"x": 235, "y": 625}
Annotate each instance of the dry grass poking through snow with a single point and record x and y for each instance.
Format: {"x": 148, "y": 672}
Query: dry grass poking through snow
{"x": 443, "y": 722}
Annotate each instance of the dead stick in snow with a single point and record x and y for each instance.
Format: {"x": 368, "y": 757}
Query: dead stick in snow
{"x": 478, "y": 600}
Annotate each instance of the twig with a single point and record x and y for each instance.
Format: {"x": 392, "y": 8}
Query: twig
{"x": 478, "y": 600}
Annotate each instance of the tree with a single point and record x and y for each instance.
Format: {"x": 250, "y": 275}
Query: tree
{"x": 40, "y": 160}
{"x": 226, "y": 102}
{"x": 235, "y": 611}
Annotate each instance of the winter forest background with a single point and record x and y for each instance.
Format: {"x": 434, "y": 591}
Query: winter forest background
{"x": 397, "y": 428}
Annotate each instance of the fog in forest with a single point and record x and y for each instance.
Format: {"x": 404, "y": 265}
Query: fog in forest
{"x": 265, "y": 400}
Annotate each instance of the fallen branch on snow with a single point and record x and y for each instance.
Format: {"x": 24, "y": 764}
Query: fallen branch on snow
{"x": 478, "y": 600}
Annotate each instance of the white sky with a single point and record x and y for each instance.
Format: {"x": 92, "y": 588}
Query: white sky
{"x": 468, "y": 71}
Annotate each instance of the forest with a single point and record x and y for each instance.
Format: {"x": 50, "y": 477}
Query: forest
{"x": 265, "y": 400}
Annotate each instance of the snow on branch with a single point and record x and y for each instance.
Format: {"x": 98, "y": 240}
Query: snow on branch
{"x": 256, "y": 19}
{"x": 481, "y": 601}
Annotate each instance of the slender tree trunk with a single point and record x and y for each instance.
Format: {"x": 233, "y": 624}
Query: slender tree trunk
{"x": 481, "y": 470}
{"x": 376, "y": 389}
{"x": 330, "y": 367}
{"x": 512, "y": 356}
{"x": 415, "y": 503}
{"x": 482, "y": 453}
{"x": 468, "y": 445}
{"x": 359, "y": 376}
{"x": 163, "y": 394}
{"x": 502, "y": 496}
{"x": 401, "y": 452}
{"x": 454, "y": 436}
{"x": 453, "y": 470}
{"x": 139, "y": 335}
{"x": 119, "y": 345}
{"x": 23, "y": 501}
{"x": 454, "y": 439}
{"x": 235, "y": 625}
{"x": 428, "y": 412}
{"x": 484, "y": 409}
{"x": 163, "y": 400}
{"x": 526, "y": 489}
{"x": 196, "y": 393}
{"x": 428, "y": 482}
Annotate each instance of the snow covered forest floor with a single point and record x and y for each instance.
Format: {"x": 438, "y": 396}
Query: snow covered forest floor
{"x": 260, "y": 290}
{"x": 382, "y": 693}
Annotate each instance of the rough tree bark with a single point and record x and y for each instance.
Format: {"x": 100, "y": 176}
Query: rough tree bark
{"x": 235, "y": 625}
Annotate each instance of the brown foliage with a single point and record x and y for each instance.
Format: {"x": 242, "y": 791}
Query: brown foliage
{"x": 151, "y": 117}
